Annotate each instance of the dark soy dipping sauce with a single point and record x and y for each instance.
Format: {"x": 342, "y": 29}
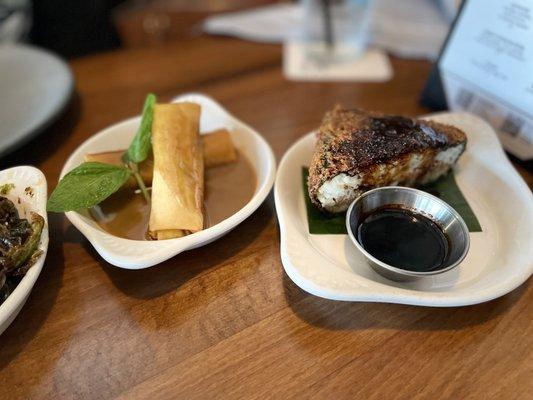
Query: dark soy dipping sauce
{"x": 404, "y": 239}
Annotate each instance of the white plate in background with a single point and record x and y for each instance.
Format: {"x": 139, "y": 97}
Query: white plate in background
{"x": 499, "y": 260}
{"x": 35, "y": 85}
{"x": 137, "y": 254}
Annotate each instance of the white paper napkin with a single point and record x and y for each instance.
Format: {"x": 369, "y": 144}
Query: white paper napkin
{"x": 372, "y": 66}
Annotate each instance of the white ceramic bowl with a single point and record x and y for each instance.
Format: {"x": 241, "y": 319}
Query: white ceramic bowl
{"x": 23, "y": 177}
{"x": 137, "y": 254}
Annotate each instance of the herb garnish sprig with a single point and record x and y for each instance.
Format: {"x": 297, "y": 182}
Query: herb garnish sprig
{"x": 141, "y": 145}
{"x": 92, "y": 182}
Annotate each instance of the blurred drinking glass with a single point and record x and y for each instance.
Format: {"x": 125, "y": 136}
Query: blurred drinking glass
{"x": 335, "y": 31}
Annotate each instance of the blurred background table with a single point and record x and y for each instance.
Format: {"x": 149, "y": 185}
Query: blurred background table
{"x": 224, "y": 321}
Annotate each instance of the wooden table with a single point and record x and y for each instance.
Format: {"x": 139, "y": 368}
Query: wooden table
{"x": 224, "y": 321}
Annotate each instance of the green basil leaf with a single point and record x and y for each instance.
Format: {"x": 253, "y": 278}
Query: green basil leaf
{"x": 87, "y": 185}
{"x": 142, "y": 142}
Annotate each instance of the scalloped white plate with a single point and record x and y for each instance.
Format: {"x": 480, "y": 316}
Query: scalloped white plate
{"x": 137, "y": 254}
{"x": 23, "y": 177}
{"x": 500, "y": 257}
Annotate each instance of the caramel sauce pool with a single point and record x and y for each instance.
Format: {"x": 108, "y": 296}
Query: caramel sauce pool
{"x": 228, "y": 188}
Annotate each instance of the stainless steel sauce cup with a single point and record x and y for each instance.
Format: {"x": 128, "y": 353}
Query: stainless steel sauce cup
{"x": 418, "y": 201}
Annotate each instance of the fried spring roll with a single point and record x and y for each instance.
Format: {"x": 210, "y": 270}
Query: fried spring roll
{"x": 218, "y": 150}
{"x": 178, "y": 180}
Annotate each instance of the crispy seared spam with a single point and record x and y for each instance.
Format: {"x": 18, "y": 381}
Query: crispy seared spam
{"x": 357, "y": 151}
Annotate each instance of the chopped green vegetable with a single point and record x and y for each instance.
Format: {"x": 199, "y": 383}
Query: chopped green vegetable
{"x": 6, "y": 188}
{"x": 21, "y": 254}
{"x": 20, "y": 245}
{"x": 445, "y": 188}
{"x": 86, "y": 186}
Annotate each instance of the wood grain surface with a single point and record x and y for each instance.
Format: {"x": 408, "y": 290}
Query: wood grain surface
{"x": 224, "y": 321}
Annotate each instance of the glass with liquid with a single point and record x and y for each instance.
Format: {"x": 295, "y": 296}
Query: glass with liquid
{"x": 335, "y": 31}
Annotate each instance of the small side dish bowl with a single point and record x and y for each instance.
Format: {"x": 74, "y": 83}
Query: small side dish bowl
{"x": 418, "y": 201}
{"x": 137, "y": 254}
{"x": 25, "y": 201}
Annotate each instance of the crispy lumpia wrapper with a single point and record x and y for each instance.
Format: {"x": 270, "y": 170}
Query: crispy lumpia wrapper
{"x": 178, "y": 178}
{"x": 218, "y": 148}
{"x": 217, "y": 145}
{"x": 168, "y": 234}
